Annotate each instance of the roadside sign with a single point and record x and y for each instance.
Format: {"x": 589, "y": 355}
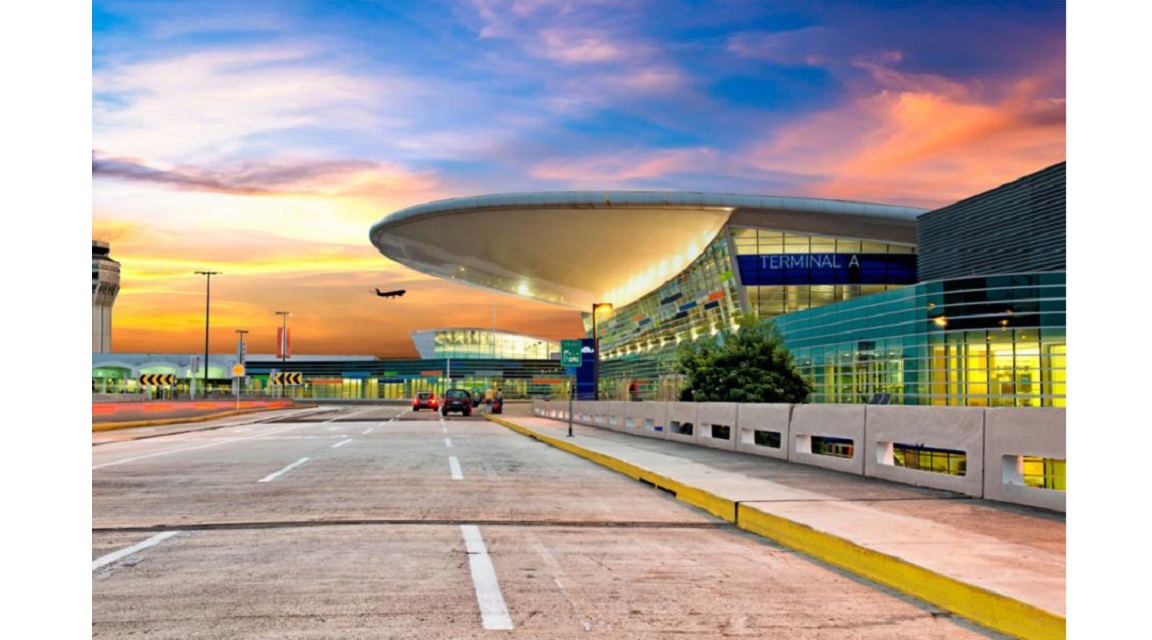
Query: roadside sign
{"x": 237, "y": 370}
{"x": 570, "y": 355}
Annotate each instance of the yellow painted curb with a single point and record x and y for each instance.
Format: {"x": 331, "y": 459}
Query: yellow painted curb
{"x": 974, "y": 603}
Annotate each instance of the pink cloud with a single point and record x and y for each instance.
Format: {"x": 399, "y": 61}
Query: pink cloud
{"x": 271, "y": 177}
{"x": 618, "y": 168}
{"x": 583, "y": 46}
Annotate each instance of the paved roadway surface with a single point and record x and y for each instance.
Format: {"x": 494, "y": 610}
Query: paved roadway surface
{"x": 377, "y": 522}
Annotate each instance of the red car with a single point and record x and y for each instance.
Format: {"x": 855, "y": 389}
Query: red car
{"x": 425, "y": 400}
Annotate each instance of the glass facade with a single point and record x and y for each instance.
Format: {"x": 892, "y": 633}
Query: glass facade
{"x": 991, "y": 341}
{"x": 994, "y": 341}
{"x": 638, "y": 341}
{"x": 770, "y": 300}
{"x": 483, "y": 343}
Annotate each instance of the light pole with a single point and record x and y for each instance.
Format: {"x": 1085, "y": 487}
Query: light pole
{"x": 283, "y": 344}
{"x": 240, "y": 353}
{"x": 207, "y": 307}
{"x": 284, "y": 335}
{"x": 596, "y": 349}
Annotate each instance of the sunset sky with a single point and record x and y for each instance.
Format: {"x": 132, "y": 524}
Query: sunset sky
{"x": 263, "y": 139}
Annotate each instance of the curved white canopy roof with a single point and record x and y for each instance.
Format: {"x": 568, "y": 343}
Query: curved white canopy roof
{"x": 572, "y": 247}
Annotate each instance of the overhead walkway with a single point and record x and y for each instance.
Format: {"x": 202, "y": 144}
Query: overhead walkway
{"x": 1001, "y": 566}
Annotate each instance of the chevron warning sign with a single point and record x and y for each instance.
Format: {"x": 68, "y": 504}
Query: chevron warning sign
{"x": 288, "y": 378}
{"x": 157, "y": 379}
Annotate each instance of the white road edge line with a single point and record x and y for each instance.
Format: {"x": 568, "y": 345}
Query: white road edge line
{"x": 272, "y": 476}
{"x": 455, "y": 465}
{"x": 342, "y": 442}
{"x": 493, "y": 611}
{"x": 213, "y": 444}
{"x": 116, "y": 555}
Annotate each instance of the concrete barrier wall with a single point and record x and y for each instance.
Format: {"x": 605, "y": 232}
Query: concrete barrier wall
{"x": 942, "y": 441}
{"x": 1010, "y": 435}
{"x": 583, "y": 412}
{"x": 616, "y": 415}
{"x": 681, "y": 418}
{"x": 648, "y": 419}
{"x": 595, "y": 413}
{"x": 1004, "y": 449}
{"x": 716, "y": 425}
{"x": 772, "y": 421}
{"x": 829, "y": 436}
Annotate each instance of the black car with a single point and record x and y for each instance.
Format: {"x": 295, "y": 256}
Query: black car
{"x": 456, "y": 400}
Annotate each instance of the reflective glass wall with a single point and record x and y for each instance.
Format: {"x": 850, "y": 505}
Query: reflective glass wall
{"x": 995, "y": 341}
{"x": 483, "y": 343}
{"x": 638, "y": 341}
{"x": 762, "y": 271}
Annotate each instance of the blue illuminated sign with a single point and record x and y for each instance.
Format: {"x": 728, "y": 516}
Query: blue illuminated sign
{"x": 827, "y": 268}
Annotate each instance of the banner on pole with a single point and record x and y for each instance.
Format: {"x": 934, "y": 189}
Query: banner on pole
{"x": 283, "y": 343}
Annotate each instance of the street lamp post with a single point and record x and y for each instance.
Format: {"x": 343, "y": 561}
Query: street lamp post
{"x": 596, "y": 349}
{"x": 283, "y": 344}
{"x": 207, "y": 308}
{"x": 284, "y": 335}
{"x": 240, "y": 353}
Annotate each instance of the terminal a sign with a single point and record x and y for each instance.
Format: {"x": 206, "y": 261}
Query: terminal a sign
{"x": 827, "y": 268}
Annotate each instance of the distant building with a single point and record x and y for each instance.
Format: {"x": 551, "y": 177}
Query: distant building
{"x": 105, "y": 286}
{"x": 482, "y": 343}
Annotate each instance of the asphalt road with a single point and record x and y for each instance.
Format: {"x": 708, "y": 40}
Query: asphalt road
{"x": 376, "y": 522}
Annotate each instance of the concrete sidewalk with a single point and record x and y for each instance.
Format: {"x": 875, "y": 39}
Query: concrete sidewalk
{"x": 1001, "y": 566}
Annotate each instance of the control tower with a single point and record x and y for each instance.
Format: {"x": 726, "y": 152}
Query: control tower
{"x": 105, "y": 286}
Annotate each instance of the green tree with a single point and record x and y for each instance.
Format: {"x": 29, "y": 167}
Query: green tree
{"x": 748, "y": 365}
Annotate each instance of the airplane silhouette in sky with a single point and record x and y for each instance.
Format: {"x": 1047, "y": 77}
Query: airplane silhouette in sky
{"x": 390, "y": 294}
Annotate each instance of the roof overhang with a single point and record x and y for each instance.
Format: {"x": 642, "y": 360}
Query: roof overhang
{"x": 575, "y": 248}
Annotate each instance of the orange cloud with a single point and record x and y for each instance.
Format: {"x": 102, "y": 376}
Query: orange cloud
{"x": 926, "y": 141}
{"x": 332, "y": 313}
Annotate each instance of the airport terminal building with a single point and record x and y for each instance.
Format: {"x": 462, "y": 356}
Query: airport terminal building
{"x": 963, "y": 305}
